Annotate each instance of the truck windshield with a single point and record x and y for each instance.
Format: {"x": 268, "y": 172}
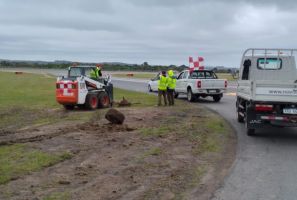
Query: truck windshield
{"x": 269, "y": 63}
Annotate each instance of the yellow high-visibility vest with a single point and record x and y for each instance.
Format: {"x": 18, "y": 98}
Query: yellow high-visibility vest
{"x": 162, "y": 83}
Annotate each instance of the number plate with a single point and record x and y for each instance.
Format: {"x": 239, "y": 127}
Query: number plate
{"x": 291, "y": 111}
{"x": 212, "y": 91}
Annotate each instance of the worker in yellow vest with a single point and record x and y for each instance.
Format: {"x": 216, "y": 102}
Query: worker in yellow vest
{"x": 162, "y": 88}
{"x": 96, "y": 72}
{"x": 171, "y": 84}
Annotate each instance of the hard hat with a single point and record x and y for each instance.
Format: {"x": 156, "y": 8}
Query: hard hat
{"x": 170, "y": 73}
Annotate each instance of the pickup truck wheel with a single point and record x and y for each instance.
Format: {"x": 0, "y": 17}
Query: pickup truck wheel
{"x": 190, "y": 95}
{"x": 216, "y": 98}
{"x": 91, "y": 101}
{"x": 149, "y": 88}
{"x": 104, "y": 101}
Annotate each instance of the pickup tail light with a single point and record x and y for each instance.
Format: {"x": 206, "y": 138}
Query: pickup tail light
{"x": 226, "y": 84}
{"x": 198, "y": 84}
{"x": 263, "y": 108}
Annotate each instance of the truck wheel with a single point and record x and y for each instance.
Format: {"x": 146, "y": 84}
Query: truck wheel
{"x": 69, "y": 107}
{"x": 190, "y": 95}
{"x": 249, "y": 131}
{"x": 216, "y": 98}
{"x": 91, "y": 101}
{"x": 240, "y": 118}
{"x": 104, "y": 101}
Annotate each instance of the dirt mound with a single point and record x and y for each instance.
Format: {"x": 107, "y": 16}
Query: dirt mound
{"x": 115, "y": 116}
{"x": 124, "y": 103}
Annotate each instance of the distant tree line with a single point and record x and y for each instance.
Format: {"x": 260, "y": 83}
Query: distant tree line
{"x": 106, "y": 66}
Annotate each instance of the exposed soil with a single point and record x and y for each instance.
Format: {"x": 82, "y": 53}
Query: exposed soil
{"x": 125, "y": 161}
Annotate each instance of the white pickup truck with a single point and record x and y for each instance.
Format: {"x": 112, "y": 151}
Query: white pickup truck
{"x": 200, "y": 83}
{"x": 267, "y": 89}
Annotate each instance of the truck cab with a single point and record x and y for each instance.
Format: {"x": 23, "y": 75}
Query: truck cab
{"x": 267, "y": 89}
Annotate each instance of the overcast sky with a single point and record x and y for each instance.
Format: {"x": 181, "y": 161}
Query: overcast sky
{"x": 134, "y": 31}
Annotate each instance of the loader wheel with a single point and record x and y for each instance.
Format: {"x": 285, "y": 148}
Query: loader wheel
{"x": 104, "y": 101}
{"x": 91, "y": 101}
{"x": 69, "y": 107}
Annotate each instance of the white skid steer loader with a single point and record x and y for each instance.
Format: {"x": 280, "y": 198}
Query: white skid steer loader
{"x": 78, "y": 89}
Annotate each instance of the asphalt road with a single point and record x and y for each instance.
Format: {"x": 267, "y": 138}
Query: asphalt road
{"x": 266, "y": 165}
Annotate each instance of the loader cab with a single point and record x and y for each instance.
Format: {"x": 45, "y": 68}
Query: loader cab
{"x": 77, "y": 71}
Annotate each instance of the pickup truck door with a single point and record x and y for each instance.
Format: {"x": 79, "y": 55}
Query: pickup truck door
{"x": 184, "y": 82}
{"x": 179, "y": 82}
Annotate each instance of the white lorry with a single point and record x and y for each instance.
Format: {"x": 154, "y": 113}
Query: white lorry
{"x": 267, "y": 89}
{"x": 200, "y": 83}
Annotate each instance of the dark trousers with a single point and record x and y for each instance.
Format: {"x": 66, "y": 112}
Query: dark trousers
{"x": 170, "y": 96}
{"x": 160, "y": 94}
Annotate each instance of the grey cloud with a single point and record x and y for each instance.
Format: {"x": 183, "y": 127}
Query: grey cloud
{"x": 157, "y": 31}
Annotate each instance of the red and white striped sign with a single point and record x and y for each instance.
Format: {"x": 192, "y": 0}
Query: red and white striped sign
{"x": 196, "y": 65}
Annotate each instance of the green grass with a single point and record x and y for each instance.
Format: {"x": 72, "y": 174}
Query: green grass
{"x": 155, "y": 131}
{"x": 58, "y": 196}
{"x": 136, "y": 98}
{"x": 33, "y": 95}
{"x": 227, "y": 76}
{"x": 18, "y": 159}
{"x": 38, "y": 91}
{"x": 156, "y": 151}
{"x": 27, "y": 90}
{"x": 137, "y": 75}
{"x": 216, "y": 125}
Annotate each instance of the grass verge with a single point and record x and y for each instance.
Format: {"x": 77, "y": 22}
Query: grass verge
{"x": 58, "y": 196}
{"x": 227, "y": 76}
{"x": 30, "y": 100}
{"x": 137, "y": 75}
{"x": 18, "y": 159}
